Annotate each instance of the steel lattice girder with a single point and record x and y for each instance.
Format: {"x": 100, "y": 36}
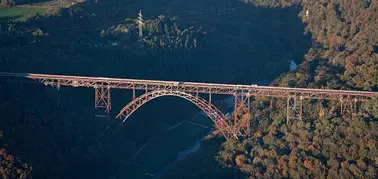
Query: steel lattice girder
{"x": 102, "y": 99}
{"x": 242, "y": 107}
{"x": 347, "y": 99}
{"x": 191, "y": 87}
{"x": 215, "y": 115}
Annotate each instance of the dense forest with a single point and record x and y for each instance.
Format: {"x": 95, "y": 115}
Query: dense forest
{"x": 325, "y": 144}
{"x": 49, "y": 128}
{"x": 56, "y": 132}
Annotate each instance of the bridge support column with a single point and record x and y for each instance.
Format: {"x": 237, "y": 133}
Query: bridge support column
{"x": 348, "y": 105}
{"x": 133, "y": 91}
{"x": 102, "y": 99}
{"x": 294, "y": 108}
{"x": 242, "y": 118}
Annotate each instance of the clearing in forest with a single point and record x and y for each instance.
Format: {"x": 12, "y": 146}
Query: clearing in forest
{"x": 20, "y": 13}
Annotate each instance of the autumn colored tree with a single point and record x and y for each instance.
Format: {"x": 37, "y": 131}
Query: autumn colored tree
{"x": 7, "y": 3}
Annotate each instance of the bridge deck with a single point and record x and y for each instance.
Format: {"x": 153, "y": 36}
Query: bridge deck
{"x": 193, "y": 87}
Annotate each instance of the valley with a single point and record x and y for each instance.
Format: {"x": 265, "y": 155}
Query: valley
{"x": 56, "y": 131}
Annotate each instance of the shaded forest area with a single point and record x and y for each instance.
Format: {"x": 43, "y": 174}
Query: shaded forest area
{"x": 325, "y": 144}
{"x": 55, "y": 131}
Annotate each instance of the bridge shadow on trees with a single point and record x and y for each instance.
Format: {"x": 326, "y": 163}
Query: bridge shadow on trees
{"x": 55, "y": 131}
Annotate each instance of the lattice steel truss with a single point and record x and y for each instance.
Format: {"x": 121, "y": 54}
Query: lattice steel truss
{"x": 190, "y": 87}
{"x": 294, "y": 108}
{"x": 102, "y": 99}
{"x": 241, "y": 125}
{"x": 215, "y": 115}
{"x": 242, "y": 112}
{"x": 348, "y": 105}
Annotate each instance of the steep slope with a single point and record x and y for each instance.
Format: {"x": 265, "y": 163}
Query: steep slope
{"x": 57, "y": 127}
{"x": 325, "y": 144}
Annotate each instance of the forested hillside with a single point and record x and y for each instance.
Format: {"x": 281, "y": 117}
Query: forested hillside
{"x": 10, "y": 166}
{"x": 325, "y": 144}
{"x": 55, "y": 130}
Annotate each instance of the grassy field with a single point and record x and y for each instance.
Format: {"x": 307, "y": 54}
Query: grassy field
{"x": 20, "y": 13}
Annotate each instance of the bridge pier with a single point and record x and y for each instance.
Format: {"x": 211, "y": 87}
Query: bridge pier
{"x": 102, "y": 99}
{"x": 348, "y": 105}
{"x": 294, "y": 108}
{"x": 242, "y": 107}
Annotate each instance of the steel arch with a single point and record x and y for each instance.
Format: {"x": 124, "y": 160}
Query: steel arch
{"x": 214, "y": 114}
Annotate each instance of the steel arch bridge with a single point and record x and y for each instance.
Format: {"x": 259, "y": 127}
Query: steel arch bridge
{"x": 211, "y": 111}
{"x": 240, "y": 126}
